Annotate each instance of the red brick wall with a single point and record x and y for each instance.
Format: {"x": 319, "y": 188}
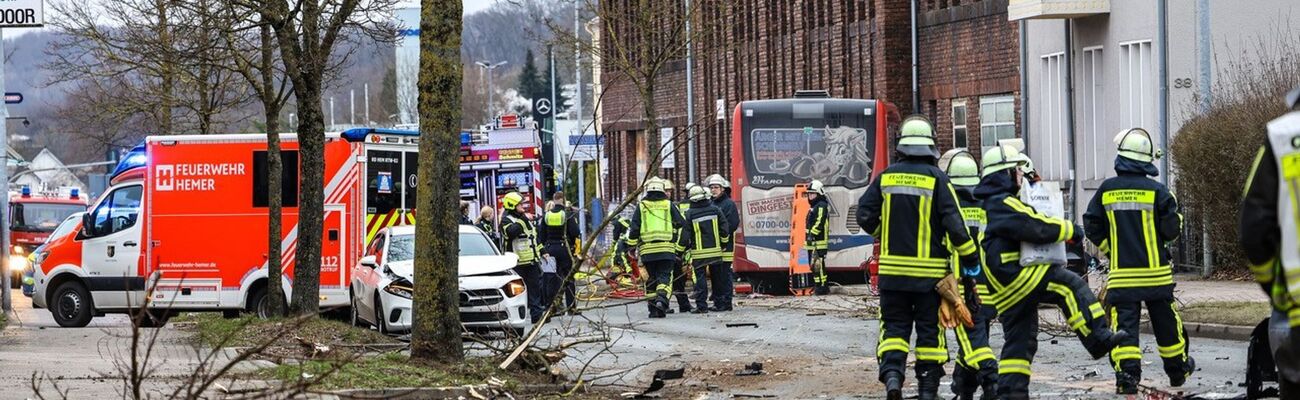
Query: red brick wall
{"x": 760, "y": 49}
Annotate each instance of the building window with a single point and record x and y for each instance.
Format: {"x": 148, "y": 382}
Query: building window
{"x": 997, "y": 119}
{"x": 1139, "y": 86}
{"x": 1095, "y": 146}
{"x": 1051, "y": 149}
{"x": 959, "y": 123}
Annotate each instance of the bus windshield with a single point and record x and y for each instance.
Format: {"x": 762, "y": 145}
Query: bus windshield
{"x": 793, "y": 145}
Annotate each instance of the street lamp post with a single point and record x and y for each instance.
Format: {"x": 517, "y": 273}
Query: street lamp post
{"x": 490, "y": 67}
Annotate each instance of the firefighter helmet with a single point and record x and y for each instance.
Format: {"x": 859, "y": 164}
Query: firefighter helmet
{"x": 698, "y": 193}
{"x": 654, "y": 185}
{"x": 1001, "y": 157}
{"x": 688, "y": 187}
{"x": 916, "y": 137}
{"x": 961, "y": 167}
{"x": 512, "y": 200}
{"x": 1135, "y": 144}
{"x": 816, "y": 186}
{"x": 716, "y": 179}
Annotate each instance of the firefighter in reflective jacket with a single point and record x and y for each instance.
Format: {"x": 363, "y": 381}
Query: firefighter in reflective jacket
{"x": 622, "y": 270}
{"x": 818, "y": 234}
{"x": 912, "y": 210}
{"x": 702, "y": 235}
{"x": 977, "y": 368}
{"x": 560, "y": 236}
{"x": 1132, "y": 218}
{"x": 520, "y": 237}
{"x": 683, "y": 273}
{"x": 1018, "y": 289}
{"x": 652, "y": 232}
{"x": 1270, "y": 237}
{"x": 721, "y": 277}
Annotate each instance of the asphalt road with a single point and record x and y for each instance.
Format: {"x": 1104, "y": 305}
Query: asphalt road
{"x": 83, "y": 362}
{"x": 825, "y": 348}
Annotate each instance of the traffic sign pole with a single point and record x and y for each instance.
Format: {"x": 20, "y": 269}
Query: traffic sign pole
{"x": 6, "y": 300}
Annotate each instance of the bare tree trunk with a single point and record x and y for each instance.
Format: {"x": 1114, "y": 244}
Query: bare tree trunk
{"x": 436, "y": 330}
{"x": 271, "y": 106}
{"x": 311, "y": 200}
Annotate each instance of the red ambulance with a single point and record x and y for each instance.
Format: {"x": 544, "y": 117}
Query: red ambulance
{"x": 187, "y": 215}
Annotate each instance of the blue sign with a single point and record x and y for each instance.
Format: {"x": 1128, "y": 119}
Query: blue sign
{"x": 586, "y": 140}
{"x": 385, "y": 182}
{"x": 13, "y": 97}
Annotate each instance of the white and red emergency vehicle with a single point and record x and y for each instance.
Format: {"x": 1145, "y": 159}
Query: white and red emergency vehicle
{"x": 32, "y": 217}
{"x": 187, "y": 215}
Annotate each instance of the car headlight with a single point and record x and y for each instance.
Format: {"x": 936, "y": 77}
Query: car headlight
{"x": 401, "y": 289}
{"x": 38, "y": 258}
{"x": 514, "y": 288}
{"x": 18, "y": 250}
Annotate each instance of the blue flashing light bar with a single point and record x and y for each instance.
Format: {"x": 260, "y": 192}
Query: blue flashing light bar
{"x": 359, "y": 134}
{"x": 27, "y": 191}
{"x": 136, "y": 158}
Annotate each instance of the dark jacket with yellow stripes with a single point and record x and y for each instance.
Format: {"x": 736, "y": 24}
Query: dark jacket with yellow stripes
{"x": 818, "y": 234}
{"x": 912, "y": 211}
{"x": 703, "y": 232}
{"x": 972, "y": 213}
{"x": 559, "y": 230}
{"x": 1131, "y": 218}
{"x": 1261, "y": 236}
{"x": 728, "y": 208}
{"x": 1010, "y": 223}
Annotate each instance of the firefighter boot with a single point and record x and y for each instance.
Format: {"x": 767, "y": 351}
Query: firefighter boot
{"x": 1178, "y": 379}
{"x": 964, "y": 382}
{"x": 894, "y": 385}
{"x": 1127, "y": 382}
{"x": 822, "y": 290}
{"x": 927, "y": 382}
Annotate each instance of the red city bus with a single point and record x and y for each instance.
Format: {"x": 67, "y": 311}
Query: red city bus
{"x": 779, "y": 143}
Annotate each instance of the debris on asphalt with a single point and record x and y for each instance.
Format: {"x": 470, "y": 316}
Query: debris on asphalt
{"x": 658, "y": 383}
{"x": 742, "y": 324}
{"x": 814, "y": 314}
{"x": 755, "y": 368}
{"x": 752, "y": 395}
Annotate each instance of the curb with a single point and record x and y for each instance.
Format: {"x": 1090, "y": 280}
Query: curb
{"x": 436, "y": 392}
{"x": 1212, "y": 331}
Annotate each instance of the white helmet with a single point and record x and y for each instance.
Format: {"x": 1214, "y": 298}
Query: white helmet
{"x": 961, "y": 167}
{"x": 816, "y": 186}
{"x": 716, "y": 179}
{"x": 1135, "y": 144}
{"x": 1001, "y": 157}
{"x": 654, "y": 185}
{"x": 698, "y": 193}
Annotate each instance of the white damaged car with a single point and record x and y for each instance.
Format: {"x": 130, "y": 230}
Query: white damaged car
{"x": 492, "y": 295}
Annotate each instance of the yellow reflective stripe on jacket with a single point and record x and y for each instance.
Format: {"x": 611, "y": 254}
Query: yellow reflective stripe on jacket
{"x": 1010, "y": 257}
{"x": 555, "y": 218}
{"x": 1140, "y": 277}
{"x": 1067, "y": 228}
{"x": 1021, "y": 287}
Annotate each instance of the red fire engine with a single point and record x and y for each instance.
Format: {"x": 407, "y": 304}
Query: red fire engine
{"x": 32, "y": 217}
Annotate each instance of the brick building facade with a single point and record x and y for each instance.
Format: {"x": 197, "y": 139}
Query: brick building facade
{"x": 759, "y": 49}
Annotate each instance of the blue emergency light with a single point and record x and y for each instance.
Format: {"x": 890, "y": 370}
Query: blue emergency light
{"x": 27, "y": 191}
{"x": 359, "y": 134}
{"x": 76, "y": 193}
{"x": 136, "y": 158}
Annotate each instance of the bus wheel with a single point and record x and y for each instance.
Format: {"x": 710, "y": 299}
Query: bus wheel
{"x": 72, "y": 305}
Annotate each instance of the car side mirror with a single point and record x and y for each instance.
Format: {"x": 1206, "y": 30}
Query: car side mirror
{"x": 370, "y": 261}
{"x": 86, "y": 230}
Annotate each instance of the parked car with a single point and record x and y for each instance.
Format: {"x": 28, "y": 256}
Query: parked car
{"x": 492, "y": 295}
{"x": 68, "y": 225}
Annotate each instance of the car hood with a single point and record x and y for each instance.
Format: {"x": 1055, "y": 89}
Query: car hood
{"x": 469, "y": 266}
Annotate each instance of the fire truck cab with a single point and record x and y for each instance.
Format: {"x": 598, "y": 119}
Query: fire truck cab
{"x": 183, "y": 225}
{"x": 33, "y": 216}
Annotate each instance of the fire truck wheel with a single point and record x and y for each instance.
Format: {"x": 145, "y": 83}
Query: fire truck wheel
{"x": 72, "y": 305}
{"x": 259, "y": 304}
{"x": 151, "y": 318}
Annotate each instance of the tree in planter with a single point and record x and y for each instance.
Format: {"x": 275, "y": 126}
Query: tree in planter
{"x": 436, "y": 330}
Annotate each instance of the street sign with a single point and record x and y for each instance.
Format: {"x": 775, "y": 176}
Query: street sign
{"x": 543, "y": 106}
{"x": 12, "y": 97}
{"x": 22, "y": 13}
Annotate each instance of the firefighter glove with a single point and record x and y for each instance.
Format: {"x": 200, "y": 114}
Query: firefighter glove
{"x": 1078, "y": 234}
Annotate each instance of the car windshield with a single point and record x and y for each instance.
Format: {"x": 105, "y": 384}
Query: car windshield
{"x": 41, "y": 217}
{"x": 402, "y": 247}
